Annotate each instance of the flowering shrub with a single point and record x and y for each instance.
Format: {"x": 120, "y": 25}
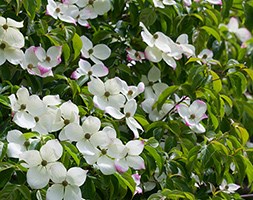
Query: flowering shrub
{"x": 126, "y": 99}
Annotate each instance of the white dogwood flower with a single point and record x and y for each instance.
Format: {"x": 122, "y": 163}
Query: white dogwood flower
{"x": 95, "y": 53}
{"x": 132, "y": 91}
{"x": 128, "y": 113}
{"x": 61, "y": 11}
{"x": 107, "y": 94}
{"x": 26, "y": 108}
{"x": 193, "y": 114}
{"x": 154, "y": 114}
{"x": 161, "y": 3}
{"x": 40, "y": 162}
{"x": 228, "y": 187}
{"x": 66, "y": 183}
{"x": 93, "y": 8}
{"x": 9, "y": 32}
{"x": 131, "y": 157}
{"x": 243, "y": 34}
{"x": 133, "y": 55}
{"x": 12, "y": 54}
{"x": 85, "y": 68}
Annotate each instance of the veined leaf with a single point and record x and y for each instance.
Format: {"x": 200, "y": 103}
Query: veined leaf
{"x": 157, "y": 157}
{"x": 212, "y": 31}
{"x": 164, "y": 95}
{"x": 217, "y": 85}
{"x": 77, "y": 45}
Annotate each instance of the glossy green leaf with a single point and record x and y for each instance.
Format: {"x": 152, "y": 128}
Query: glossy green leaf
{"x": 212, "y": 31}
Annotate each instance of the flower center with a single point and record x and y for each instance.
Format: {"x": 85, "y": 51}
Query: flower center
{"x": 66, "y": 121}
{"x": 204, "y": 56}
{"x": 90, "y": 51}
{"x": 87, "y": 136}
{"x": 2, "y": 46}
{"x": 130, "y": 92}
{"x": 151, "y": 83}
{"x": 128, "y": 114}
{"x": 91, "y": 2}
{"x": 57, "y": 10}
{"x": 155, "y": 36}
{"x": 36, "y": 119}
{"x": 226, "y": 187}
{"x": 65, "y": 183}
{"x": 30, "y": 66}
{"x": 107, "y": 94}
{"x": 26, "y": 143}
{"x": 44, "y": 163}
{"x": 22, "y": 107}
{"x": 103, "y": 151}
{"x": 192, "y": 116}
{"x": 48, "y": 59}
{"x": 5, "y": 26}
{"x": 89, "y": 73}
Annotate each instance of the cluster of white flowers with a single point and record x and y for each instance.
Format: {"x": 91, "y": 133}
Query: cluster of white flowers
{"x": 100, "y": 147}
{"x": 77, "y": 11}
{"x": 39, "y": 62}
{"x": 96, "y": 54}
{"x": 43, "y": 165}
{"x": 160, "y": 46}
{"x": 11, "y": 41}
{"x": 113, "y": 95}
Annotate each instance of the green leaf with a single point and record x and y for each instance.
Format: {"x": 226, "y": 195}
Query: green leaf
{"x": 4, "y": 100}
{"x": 13, "y": 192}
{"x": 127, "y": 180}
{"x": 31, "y": 7}
{"x": 77, "y": 45}
{"x": 226, "y": 6}
{"x": 217, "y": 84}
{"x": 164, "y": 96}
{"x": 193, "y": 60}
{"x": 176, "y": 194}
{"x": 73, "y": 152}
{"x": 212, "y": 31}
{"x": 5, "y": 176}
{"x": 148, "y": 16}
{"x": 100, "y": 35}
{"x": 227, "y": 99}
{"x": 238, "y": 82}
{"x": 157, "y": 157}
{"x": 66, "y": 52}
{"x": 213, "y": 16}
{"x": 157, "y": 124}
{"x": 249, "y": 170}
{"x": 242, "y": 133}
{"x": 219, "y": 147}
{"x": 249, "y": 72}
